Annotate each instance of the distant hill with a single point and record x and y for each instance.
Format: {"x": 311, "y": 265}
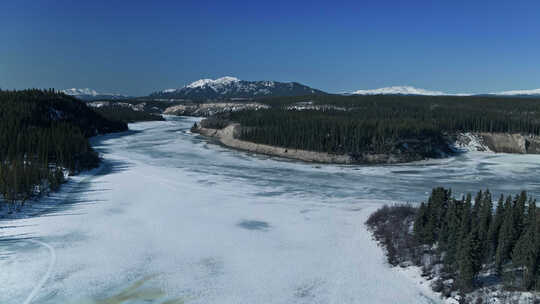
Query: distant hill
{"x": 231, "y": 87}
{"x": 90, "y": 94}
{"x": 519, "y": 93}
{"x": 409, "y": 90}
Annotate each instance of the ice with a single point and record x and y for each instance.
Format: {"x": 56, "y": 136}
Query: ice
{"x": 171, "y": 215}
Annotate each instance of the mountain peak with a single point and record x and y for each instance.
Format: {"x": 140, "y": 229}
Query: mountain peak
{"x": 210, "y": 82}
{"x": 231, "y": 87}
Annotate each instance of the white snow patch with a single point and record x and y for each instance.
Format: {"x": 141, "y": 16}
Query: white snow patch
{"x": 519, "y": 92}
{"x": 469, "y": 142}
{"x": 223, "y": 81}
{"x": 77, "y": 92}
{"x": 88, "y": 92}
{"x": 405, "y": 90}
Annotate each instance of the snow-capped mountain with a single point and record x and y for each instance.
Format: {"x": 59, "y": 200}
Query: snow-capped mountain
{"x": 90, "y": 94}
{"x": 232, "y": 87}
{"x": 535, "y": 92}
{"x": 409, "y": 90}
{"x": 401, "y": 90}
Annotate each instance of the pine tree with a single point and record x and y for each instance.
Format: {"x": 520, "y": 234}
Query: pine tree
{"x": 524, "y": 255}
{"x": 484, "y": 222}
{"x": 466, "y": 218}
{"x": 506, "y": 236}
{"x": 519, "y": 215}
{"x": 469, "y": 261}
{"x": 420, "y": 223}
{"x": 454, "y": 224}
{"x": 495, "y": 227}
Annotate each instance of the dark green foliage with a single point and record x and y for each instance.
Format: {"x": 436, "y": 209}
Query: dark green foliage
{"x": 495, "y": 226}
{"x": 339, "y": 132}
{"x": 484, "y": 217}
{"x": 472, "y": 237}
{"x": 506, "y": 237}
{"x": 469, "y": 261}
{"x": 126, "y": 114}
{"x": 525, "y": 253}
{"x": 430, "y": 224}
{"x": 43, "y": 133}
{"x": 383, "y": 124}
{"x": 215, "y": 122}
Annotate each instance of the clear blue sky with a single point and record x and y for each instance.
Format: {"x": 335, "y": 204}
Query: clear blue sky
{"x": 137, "y": 47}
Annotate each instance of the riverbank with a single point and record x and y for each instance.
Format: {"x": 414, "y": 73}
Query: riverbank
{"x": 460, "y": 143}
{"x": 228, "y": 137}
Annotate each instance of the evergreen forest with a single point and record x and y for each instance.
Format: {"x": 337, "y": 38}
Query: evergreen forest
{"x": 475, "y": 243}
{"x": 43, "y": 136}
{"x": 381, "y": 124}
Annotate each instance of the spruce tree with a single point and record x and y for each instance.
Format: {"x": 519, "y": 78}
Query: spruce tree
{"x": 469, "y": 261}
{"x": 454, "y": 224}
{"x": 484, "y": 222}
{"x": 524, "y": 255}
{"x": 495, "y": 227}
{"x": 506, "y": 236}
{"x": 420, "y": 223}
{"x": 465, "y": 227}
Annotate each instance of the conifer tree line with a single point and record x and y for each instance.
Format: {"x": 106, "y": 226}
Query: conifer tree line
{"x": 471, "y": 236}
{"x": 125, "y": 114}
{"x": 380, "y": 124}
{"x": 42, "y": 135}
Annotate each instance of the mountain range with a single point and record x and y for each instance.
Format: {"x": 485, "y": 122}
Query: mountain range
{"x": 90, "y": 94}
{"x": 409, "y": 90}
{"x": 234, "y": 88}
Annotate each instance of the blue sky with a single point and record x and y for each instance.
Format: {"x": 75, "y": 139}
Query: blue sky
{"x": 136, "y": 47}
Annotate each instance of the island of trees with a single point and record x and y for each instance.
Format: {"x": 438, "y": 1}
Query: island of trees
{"x": 43, "y": 135}
{"x": 465, "y": 244}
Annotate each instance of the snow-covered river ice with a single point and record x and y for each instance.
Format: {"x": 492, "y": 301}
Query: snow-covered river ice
{"x": 171, "y": 217}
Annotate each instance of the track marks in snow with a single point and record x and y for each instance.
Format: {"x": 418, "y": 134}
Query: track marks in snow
{"x": 52, "y": 262}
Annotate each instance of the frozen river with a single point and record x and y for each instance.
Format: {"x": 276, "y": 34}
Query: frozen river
{"x": 171, "y": 218}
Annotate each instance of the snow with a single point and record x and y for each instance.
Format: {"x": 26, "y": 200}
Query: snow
{"x": 77, "y": 92}
{"x": 468, "y": 142}
{"x": 409, "y": 90}
{"x": 519, "y": 92}
{"x": 88, "y": 92}
{"x": 208, "y": 224}
{"x": 223, "y": 81}
{"x": 403, "y": 90}
{"x": 231, "y": 85}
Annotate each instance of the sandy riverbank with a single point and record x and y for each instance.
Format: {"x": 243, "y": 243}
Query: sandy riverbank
{"x": 227, "y": 138}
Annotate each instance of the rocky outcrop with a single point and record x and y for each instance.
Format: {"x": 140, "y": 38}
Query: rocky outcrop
{"x": 496, "y": 142}
{"x": 468, "y": 142}
{"x": 511, "y": 143}
{"x": 208, "y": 109}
